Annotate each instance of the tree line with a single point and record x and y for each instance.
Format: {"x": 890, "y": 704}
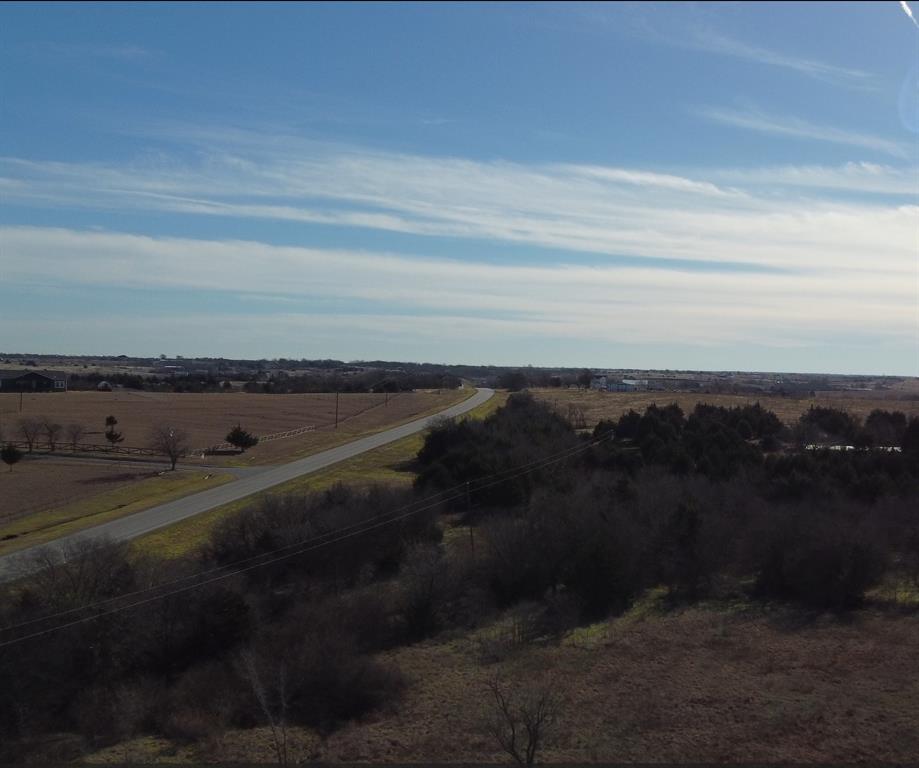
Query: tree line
{"x": 171, "y": 441}
{"x": 276, "y": 382}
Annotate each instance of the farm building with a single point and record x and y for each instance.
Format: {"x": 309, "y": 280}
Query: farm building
{"x": 628, "y": 385}
{"x": 33, "y": 381}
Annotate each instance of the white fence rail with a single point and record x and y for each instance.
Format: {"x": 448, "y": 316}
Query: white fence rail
{"x": 261, "y": 438}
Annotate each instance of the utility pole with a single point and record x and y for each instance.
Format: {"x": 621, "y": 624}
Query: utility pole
{"x": 336, "y": 409}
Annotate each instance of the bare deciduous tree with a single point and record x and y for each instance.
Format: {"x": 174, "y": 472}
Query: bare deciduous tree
{"x": 170, "y": 441}
{"x": 30, "y": 428}
{"x": 52, "y": 432}
{"x": 576, "y": 416}
{"x": 521, "y": 722}
{"x": 79, "y": 572}
{"x": 75, "y": 433}
{"x": 273, "y": 704}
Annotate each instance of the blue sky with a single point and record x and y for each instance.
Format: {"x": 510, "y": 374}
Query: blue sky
{"x": 703, "y": 186}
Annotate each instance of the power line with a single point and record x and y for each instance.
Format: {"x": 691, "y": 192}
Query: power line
{"x": 311, "y": 544}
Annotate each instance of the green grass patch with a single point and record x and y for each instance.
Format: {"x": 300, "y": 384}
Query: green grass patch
{"x": 42, "y": 527}
{"x": 488, "y": 407}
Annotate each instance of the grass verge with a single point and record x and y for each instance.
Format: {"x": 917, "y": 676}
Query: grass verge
{"x": 42, "y": 527}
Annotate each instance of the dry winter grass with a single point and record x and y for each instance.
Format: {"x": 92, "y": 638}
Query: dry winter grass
{"x": 707, "y": 684}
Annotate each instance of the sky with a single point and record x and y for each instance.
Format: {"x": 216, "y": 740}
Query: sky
{"x": 725, "y": 186}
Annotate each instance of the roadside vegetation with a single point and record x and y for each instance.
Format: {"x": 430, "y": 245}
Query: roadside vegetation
{"x": 134, "y": 491}
{"x": 519, "y": 531}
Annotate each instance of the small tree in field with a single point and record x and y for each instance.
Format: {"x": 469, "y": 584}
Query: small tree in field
{"x": 52, "y": 433}
{"x": 75, "y": 433}
{"x": 239, "y": 438}
{"x": 110, "y": 434}
{"x": 170, "y": 441}
{"x": 520, "y": 724}
{"x": 272, "y": 693}
{"x": 10, "y": 454}
{"x": 30, "y": 429}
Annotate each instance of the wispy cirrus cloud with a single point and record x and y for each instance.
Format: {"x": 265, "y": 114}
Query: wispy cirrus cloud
{"x": 440, "y": 297}
{"x": 650, "y": 255}
{"x": 700, "y": 32}
{"x": 711, "y": 41}
{"x": 645, "y": 215}
{"x": 121, "y": 51}
{"x": 855, "y": 177}
{"x": 796, "y": 127}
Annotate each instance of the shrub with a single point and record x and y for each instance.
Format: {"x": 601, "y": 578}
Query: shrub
{"x": 239, "y": 438}
{"x": 819, "y": 559}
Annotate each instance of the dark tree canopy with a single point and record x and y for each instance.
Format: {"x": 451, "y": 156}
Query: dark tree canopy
{"x": 239, "y": 438}
{"x": 10, "y": 454}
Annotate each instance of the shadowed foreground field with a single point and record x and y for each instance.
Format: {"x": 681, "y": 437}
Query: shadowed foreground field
{"x": 695, "y": 686}
{"x": 706, "y": 684}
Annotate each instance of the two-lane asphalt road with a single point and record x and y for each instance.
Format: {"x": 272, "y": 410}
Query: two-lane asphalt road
{"x": 135, "y": 525}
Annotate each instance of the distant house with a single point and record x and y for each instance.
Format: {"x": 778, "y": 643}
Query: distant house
{"x": 598, "y": 382}
{"x": 33, "y": 381}
{"x": 628, "y": 385}
{"x": 636, "y": 383}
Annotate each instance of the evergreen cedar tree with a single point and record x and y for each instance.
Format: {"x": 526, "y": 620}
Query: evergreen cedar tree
{"x": 10, "y": 454}
{"x": 241, "y": 439}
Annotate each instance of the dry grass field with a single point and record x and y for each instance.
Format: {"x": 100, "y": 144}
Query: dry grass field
{"x": 709, "y": 684}
{"x": 611, "y": 405}
{"x": 696, "y": 686}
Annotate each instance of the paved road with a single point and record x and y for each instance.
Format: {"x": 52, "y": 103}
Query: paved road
{"x": 132, "y": 526}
